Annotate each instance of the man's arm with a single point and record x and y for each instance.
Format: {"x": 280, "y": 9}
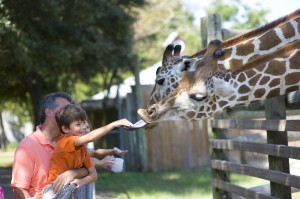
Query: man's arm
{"x": 92, "y": 177}
{"x": 20, "y": 193}
{"x": 105, "y": 152}
{"x": 67, "y": 177}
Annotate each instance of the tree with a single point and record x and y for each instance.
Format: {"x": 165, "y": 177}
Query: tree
{"x": 238, "y": 14}
{"x": 52, "y": 45}
{"x": 156, "y": 20}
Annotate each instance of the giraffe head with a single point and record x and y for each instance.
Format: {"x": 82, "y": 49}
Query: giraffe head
{"x": 191, "y": 83}
{"x": 168, "y": 76}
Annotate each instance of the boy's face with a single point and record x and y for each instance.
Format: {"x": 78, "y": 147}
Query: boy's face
{"x": 77, "y": 128}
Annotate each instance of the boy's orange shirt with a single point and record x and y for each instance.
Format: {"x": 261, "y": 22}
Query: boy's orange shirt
{"x": 66, "y": 156}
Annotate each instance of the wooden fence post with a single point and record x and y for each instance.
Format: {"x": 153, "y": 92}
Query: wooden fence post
{"x": 211, "y": 31}
{"x": 275, "y": 109}
{"x": 140, "y": 134}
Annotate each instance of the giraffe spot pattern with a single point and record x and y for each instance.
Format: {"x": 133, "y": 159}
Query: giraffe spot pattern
{"x": 292, "y": 88}
{"x": 295, "y": 61}
{"x": 274, "y": 82}
{"x": 250, "y": 73}
{"x": 274, "y": 92}
{"x": 243, "y": 98}
{"x": 291, "y": 33}
{"x": 244, "y": 48}
{"x": 244, "y": 89}
{"x": 271, "y": 36}
{"x": 236, "y": 63}
{"x": 190, "y": 114}
{"x": 264, "y": 80}
{"x": 253, "y": 81}
{"x": 278, "y": 70}
{"x": 292, "y": 78}
{"x": 241, "y": 77}
{"x": 259, "y": 93}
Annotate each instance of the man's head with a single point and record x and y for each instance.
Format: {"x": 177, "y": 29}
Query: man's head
{"x": 53, "y": 102}
{"x": 72, "y": 119}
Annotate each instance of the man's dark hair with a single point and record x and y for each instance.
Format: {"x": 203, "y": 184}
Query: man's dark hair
{"x": 49, "y": 102}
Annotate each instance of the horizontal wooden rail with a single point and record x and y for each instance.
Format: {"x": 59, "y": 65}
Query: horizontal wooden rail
{"x": 247, "y": 193}
{"x": 270, "y": 125}
{"x": 271, "y": 175}
{"x": 264, "y": 148}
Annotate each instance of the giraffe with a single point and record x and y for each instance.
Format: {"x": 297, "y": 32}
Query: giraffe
{"x": 209, "y": 90}
{"x": 168, "y": 76}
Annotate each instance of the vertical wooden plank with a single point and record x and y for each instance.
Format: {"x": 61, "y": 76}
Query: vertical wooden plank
{"x": 214, "y": 27}
{"x": 140, "y": 134}
{"x": 275, "y": 109}
{"x": 203, "y": 31}
{"x": 214, "y": 32}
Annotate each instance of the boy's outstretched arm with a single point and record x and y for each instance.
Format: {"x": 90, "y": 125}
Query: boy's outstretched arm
{"x": 98, "y": 133}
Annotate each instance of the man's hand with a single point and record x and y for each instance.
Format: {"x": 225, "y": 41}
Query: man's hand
{"x": 63, "y": 179}
{"x": 105, "y": 163}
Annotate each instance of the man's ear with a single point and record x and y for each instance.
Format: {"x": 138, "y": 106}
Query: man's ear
{"x": 222, "y": 87}
{"x": 48, "y": 112}
{"x": 65, "y": 129}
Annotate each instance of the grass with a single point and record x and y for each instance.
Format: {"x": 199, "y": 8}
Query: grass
{"x": 183, "y": 184}
{"x": 7, "y": 156}
{"x": 172, "y": 184}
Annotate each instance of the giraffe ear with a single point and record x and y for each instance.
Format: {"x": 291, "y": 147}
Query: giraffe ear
{"x": 222, "y": 87}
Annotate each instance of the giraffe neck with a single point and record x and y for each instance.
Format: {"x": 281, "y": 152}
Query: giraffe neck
{"x": 274, "y": 78}
{"x": 254, "y": 33}
{"x": 237, "y": 57}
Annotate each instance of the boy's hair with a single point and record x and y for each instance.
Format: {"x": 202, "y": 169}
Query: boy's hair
{"x": 68, "y": 114}
{"x": 49, "y": 102}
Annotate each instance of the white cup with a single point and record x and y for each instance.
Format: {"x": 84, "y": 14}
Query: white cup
{"x": 117, "y": 167}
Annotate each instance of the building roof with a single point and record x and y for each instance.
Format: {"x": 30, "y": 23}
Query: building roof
{"x": 147, "y": 77}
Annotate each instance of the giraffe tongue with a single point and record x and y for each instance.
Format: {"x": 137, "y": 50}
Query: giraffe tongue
{"x": 137, "y": 125}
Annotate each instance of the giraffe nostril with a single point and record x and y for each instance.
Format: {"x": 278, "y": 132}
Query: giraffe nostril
{"x": 160, "y": 81}
{"x": 151, "y": 111}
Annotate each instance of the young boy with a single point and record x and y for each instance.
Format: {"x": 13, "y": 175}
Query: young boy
{"x": 70, "y": 151}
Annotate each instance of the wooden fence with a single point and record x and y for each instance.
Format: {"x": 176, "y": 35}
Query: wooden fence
{"x": 276, "y": 148}
{"x": 278, "y": 154}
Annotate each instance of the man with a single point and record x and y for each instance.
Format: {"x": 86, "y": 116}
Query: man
{"x": 32, "y": 157}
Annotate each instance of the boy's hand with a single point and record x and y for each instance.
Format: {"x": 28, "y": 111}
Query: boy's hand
{"x": 79, "y": 183}
{"x": 122, "y": 122}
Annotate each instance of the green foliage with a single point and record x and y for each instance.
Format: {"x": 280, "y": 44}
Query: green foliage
{"x": 51, "y": 45}
{"x": 239, "y": 14}
{"x": 156, "y": 21}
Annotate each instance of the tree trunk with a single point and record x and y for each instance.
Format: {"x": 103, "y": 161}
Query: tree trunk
{"x": 35, "y": 95}
{"x": 2, "y": 134}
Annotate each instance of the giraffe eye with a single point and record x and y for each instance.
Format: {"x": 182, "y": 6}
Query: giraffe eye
{"x": 198, "y": 96}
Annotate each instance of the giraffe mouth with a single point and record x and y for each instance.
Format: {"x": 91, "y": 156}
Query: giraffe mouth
{"x": 146, "y": 114}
